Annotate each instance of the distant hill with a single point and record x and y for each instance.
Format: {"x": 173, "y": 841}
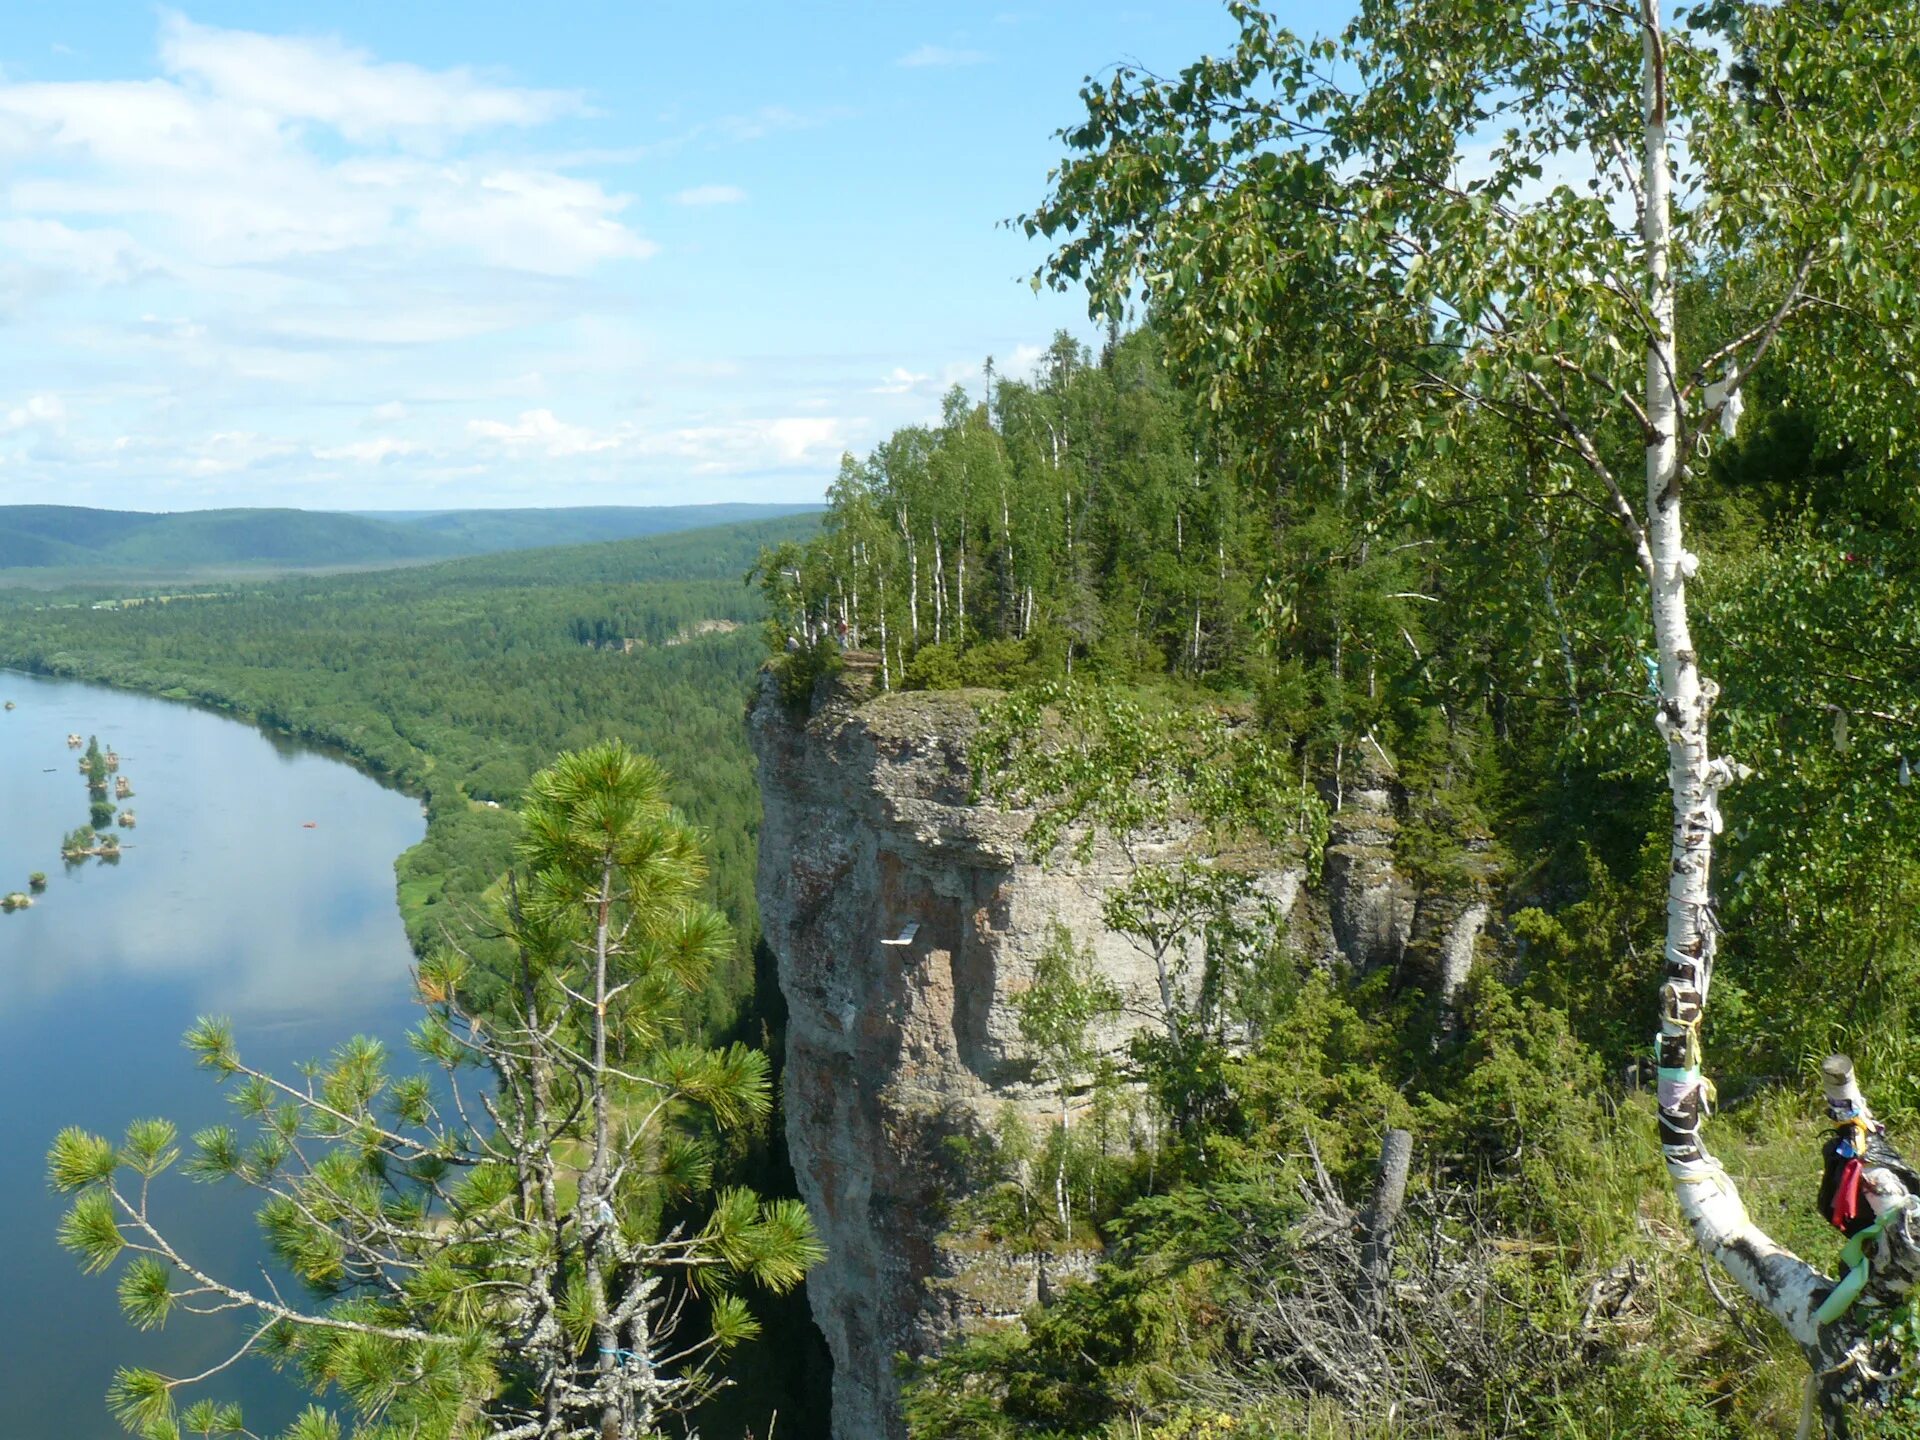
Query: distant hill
{"x": 479, "y": 532}
{"x": 37, "y": 536}
{"x": 42, "y": 538}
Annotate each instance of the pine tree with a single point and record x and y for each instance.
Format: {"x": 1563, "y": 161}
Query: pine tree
{"x": 527, "y": 1278}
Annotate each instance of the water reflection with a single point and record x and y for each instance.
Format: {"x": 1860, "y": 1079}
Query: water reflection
{"x": 258, "y": 884}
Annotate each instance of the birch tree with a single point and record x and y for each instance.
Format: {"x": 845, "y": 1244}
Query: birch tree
{"x": 487, "y": 1253}
{"x": 1068, "y": 997}
{"x": 1458, "y": 212}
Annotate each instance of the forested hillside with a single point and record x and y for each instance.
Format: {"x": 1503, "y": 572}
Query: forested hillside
{"x": 99, "y": 543}
{"x": 64, "y": 536}
{"x": 460, "y": 680}
{"x": 478, "y": 532}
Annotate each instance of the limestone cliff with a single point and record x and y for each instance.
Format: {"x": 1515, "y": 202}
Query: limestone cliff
{"x": 905, "y": 918}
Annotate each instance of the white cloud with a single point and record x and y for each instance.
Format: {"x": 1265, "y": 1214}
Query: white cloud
{"x": 326, "y": 82}
{"x": 901, "y": 381}
{"x": 1019, "y": 365}
{"x": 707, "y": 369}
{"x": 226, "y": 155}
{"x": 530, "y": 220}
{"x": 229, "y": 450}
{"x": 728, "y": 447}
{"x": 280, "y": 267}
{"x": 542, "y": 432}
{"x": 801, "y": 439}
{"x": 746, "y": 445}
{"x": 940, "y": 57}
{"x": 757, "y": 124}
{"x": 101, "y": 256}
{"x": 34, "y": 413}
{"x": 224, "y": 452}
{"x": 711, "y": 195}
{"x": 369, "y": 452}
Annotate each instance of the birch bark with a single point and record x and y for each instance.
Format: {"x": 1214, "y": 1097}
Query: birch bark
{"x": 1779, "y": 1280}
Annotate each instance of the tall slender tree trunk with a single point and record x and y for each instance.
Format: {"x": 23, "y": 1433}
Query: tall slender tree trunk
{"x": 595, "y": 1215}
{"x": 1707, "y": 1197}
{"x": 880, "y": 607}
{"x": 1010, "y": 592}
{"x": 913, "y": 577}
{"x": 960, "y": 581}
{"x": 1060, "y": 1174}
{"x": 939, "y": 587}
{"x": 853, "y": 595}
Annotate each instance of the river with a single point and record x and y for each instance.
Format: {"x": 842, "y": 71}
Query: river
{"x": 259, "y": 885}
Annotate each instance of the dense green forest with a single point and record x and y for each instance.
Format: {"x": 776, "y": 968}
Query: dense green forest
{"x": 478, "y": 532}
{"x": 1326, "y": 492}
{"x": 458, "y": 681}
{"x": 50, "y": 544}
{"x": 1477, "y": 640}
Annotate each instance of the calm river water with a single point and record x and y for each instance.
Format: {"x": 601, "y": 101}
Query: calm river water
{"x": 224, "y": 903}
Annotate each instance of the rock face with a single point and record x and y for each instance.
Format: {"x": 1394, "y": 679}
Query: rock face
{"x": 906, "y": 918}
{"x": 1370, "y": 906}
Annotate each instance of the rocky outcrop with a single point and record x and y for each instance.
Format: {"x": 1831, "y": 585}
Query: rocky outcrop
{"x": 1370, "y": 904}
{"x": 905, "y": 918}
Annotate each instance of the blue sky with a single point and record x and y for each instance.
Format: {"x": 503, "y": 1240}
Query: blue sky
{"x": 427, "y": 255}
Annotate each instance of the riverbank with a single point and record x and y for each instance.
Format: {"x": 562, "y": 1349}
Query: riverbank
{"x": 416, "y": 890}
{"x": 228, "y": 906}
{"x": 453, "y": 683}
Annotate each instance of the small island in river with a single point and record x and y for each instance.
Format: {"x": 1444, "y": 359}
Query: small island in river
{"x": 86, "y": 841}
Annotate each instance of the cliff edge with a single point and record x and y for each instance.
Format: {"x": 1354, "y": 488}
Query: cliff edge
{"x": 905, "y": 918}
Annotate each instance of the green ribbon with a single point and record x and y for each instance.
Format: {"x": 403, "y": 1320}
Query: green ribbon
{"x": 1853, "y": 1255}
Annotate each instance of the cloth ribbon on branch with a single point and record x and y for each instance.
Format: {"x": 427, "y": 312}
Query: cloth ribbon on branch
{"x": 1841, "y": 1163}
{"x": 1853, "y": 1255}
{"x": 1856, "y": 1147}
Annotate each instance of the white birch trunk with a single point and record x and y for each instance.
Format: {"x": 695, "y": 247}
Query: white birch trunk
{"x": 1060, "y": 1198}
{"x": 913, "y": 575}
{"x": 1007, "y": 559}
{"x": 886, "y": 675}
{"x": 1779, "y": 1280}
{"x": 939, "y": 587}
{"x": 853, "y": 595}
